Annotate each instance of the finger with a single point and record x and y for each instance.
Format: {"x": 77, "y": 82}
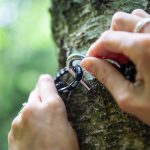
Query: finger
{"x": 122, "y": 21}
{"x": 128, "y": 44}
{"x": 122, "y": 90}
{"x": 142, "y": 111}
{"x": 34, "y": 96}
{"x": 141, "y": 13}
{"x": 16, "y": 126}
{"x": 47, "y": 88}
{"x": 105, "y": 73}
{"x": 10, "y": 139}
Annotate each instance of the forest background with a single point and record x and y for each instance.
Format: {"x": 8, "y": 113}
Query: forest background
{"x": 26, "y": 51}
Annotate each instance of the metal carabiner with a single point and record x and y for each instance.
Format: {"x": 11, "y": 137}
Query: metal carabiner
{"x": 64, "y": 88}
{"x": 71, "y": 59}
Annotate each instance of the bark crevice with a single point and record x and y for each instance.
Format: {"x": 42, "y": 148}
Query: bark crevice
{"x": 97, "y": 119}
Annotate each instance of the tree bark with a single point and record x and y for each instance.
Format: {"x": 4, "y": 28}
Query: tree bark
{"x": 99, "y": 123}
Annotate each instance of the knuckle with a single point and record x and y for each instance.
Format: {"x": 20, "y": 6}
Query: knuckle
{"x": 102, "y": 78}
{"x": 137, "y": 11}
{"x": 143, "y": 48}
{"x": 10, "y": 137}
{"x": 16, "y": 128}
{"x": 104, "y": 37}
{"x": 44, "y": 77}
{"x": 141, "y": 45}
{"x": 27, "y": 113}
{"x": 123, "y": 101}
{"x": 15, "y": 124}
{"x": 32, "y": 93}
{"x": 93, "y": 45}
{"x": 117, "y": 18}
{"x": 56, "y": 106}
{"x": 133, "y": 43}
{"x": 105, "y": 34}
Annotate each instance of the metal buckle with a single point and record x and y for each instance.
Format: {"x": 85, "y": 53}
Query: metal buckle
{"x": 71, "y": 59}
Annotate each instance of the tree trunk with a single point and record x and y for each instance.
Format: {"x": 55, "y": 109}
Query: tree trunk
{"x": 99, "y": 123}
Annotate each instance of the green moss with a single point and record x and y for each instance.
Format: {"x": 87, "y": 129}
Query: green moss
{"x": 97, "y": 119}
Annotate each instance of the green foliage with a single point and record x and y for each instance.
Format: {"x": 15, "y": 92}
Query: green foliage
{"x": 26, "y": 51}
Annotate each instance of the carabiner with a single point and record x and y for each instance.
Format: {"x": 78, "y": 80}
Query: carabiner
{"x": 61, "y": 86}
{"x": 71, "y": 59}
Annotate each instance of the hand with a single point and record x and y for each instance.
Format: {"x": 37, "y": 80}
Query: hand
{"x": 133, "y": 98}
{"x": 42, "y": 124}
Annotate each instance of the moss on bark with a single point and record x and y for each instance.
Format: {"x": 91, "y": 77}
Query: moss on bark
{"x": 99, "y": 123}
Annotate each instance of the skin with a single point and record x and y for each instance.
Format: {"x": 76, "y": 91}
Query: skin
{"x": 133, "y": 98}
{"x": 43, "y": 124}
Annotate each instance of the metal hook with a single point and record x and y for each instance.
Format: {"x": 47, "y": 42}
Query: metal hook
{"x": 69, "y": 64}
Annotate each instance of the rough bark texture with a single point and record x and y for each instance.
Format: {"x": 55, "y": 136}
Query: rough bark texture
{"x": 99, "y": 123}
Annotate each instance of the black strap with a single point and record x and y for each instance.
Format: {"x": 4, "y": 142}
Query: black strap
{"x": 61, "y": 86}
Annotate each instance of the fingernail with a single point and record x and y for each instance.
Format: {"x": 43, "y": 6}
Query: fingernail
{"x": 87, "y": 65}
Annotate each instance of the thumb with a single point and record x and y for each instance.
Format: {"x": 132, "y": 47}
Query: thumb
{"x": 118, "y": 86}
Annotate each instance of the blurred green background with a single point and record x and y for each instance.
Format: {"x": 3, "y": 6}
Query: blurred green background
{"x": 26, "y": 51}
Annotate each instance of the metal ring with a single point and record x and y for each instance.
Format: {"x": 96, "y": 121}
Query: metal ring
{"x": 140, "y": 25}
{"x": 69, "y": 64}
{"x": 71, "y": 59}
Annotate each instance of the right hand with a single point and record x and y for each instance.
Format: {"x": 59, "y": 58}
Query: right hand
{"x": 122, "y": 21}
{"x": 133, "y": 98}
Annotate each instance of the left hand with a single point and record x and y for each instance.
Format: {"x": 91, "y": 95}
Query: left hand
{"x": 43, "y": 124}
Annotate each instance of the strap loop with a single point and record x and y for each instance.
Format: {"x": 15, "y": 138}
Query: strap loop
{"x": 63, "y": 88}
